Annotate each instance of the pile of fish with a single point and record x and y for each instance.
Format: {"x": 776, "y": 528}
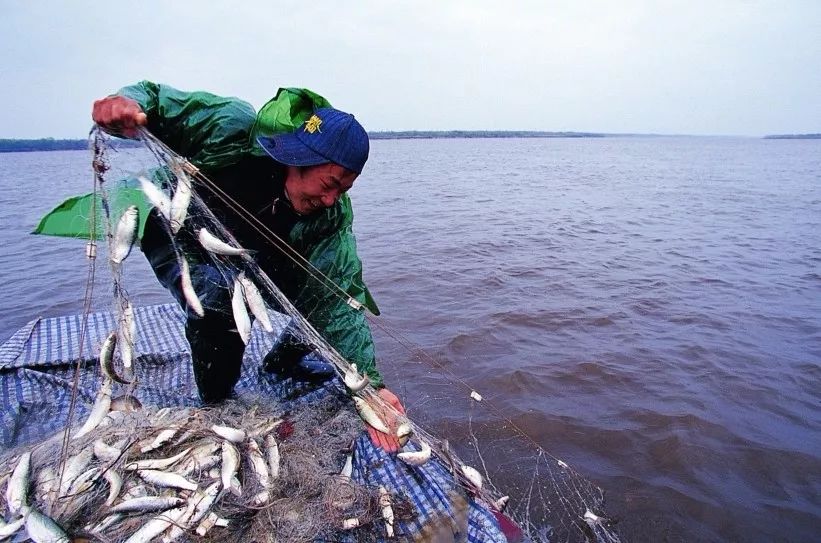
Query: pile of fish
{"x": 166, "y": 475}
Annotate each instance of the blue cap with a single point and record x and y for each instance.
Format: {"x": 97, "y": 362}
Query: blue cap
{"x": 329, "y": 135}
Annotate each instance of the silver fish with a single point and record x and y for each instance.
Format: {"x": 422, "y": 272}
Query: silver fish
{"x": 82, "y": 482}
{"x": 180, "y": 202}
{"x": 272, "y": 455}
{"x": 157, "y": 197}
{"x": 8, "y": 530}
{"x": 233, "y": 435}
{"x": 198, "y": 465}
{"x": 45, "y": 483}
{"x": 188, "y": 291}
{"x": 147, "y": 504}
{"x": 156, "y": 526}
{"x": 230, "y": 463}
{"x": 347, "y": 469}
{"x": 255, "y": 302}
{"x": 241, "y": 318}
{"x": 74, "y": 466}
{"x": 115, "y": 484}
{"x": 107, "y": 358}
{"x": 100, "y": 409}
{"x": 261, "y": 471}
{"x": 354, "y": 381}
{"x": 126, "y": 403}
{"x": 416, "y": 458}
{"x": 369, "y": 415}
{"x": 473, "y": 476}
{"x": 165, "y": 479}
{"x": 43, "y": 529}
{"x": 403, "y": 433}
{"x": 202, "y": 502}
{"x": 127, "y": 335}
{"x": 212, "y": 243}
{"x": 156, "y": 463}
{"x": 124, "y": 235}
{"x": 161, "y": 439}
{"x": 17, "y": 489}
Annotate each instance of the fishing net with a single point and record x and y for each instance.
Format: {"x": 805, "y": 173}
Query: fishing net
{"x": 485, "y": 478}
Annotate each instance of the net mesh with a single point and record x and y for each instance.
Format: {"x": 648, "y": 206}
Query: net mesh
{"x": 490, "y": 456}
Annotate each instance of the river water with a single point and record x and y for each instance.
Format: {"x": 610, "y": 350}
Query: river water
{"x": 646, "y": 309}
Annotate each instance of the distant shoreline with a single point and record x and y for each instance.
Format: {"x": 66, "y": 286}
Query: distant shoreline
{"x": 51, "y": 144}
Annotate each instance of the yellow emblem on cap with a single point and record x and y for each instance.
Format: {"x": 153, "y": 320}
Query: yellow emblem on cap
{"x": 312, "y": 124}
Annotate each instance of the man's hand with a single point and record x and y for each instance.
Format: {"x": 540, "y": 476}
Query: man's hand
{"x": 388, "y": 442}
{"x": 119, "y": 115}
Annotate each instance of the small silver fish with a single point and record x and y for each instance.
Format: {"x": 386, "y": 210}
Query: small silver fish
{"x": 165, "y": 479}
{"x": 156, "y": 463}
{"x": 354, "y": 381}
{"x": 147, "y": 504}
{"x": 161, "y": 439}
{"x": 261, "y": 471}
{"x": 43, "y": 529}
{"x": 230, "y": 463}
{"x": 126, "y": 403}
{"x": 188, "y": 291}
{"x": 180, "y": 202}
{"x": 115, "y": 485}
{"x": 107, "y": 358}
{"x": 212, "y": 243}
{"x": 202, "y": 502}
{"x": 124, "y": 235}
{"x": 17, "y": 489}
{"x": 127, "y": 335}
{"x": 416, "y": 458}
{"x": 156, "y": 526}
{"x": 157, "y": 197}
{"x": 241, "y": 318}
{"x": 82, "y": 482}
{"x": 255, "y": 302}
{"x": 369, "y": 415}
{"x": 100, "y": 409}
{"x": 272, "y": 455}
{"x": 387, "y": 510}
{"x": 74, "y": 466}
{"x": 8, "y": 530}
{"x": 233, "y": 435}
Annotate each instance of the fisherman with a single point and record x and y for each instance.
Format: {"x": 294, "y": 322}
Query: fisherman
{"x": 295, "y": 184}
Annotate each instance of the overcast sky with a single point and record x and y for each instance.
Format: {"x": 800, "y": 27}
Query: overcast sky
{"x": 695, "y": 67}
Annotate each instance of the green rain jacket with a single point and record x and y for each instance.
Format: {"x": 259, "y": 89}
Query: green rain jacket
{"x": 215, "y": 132}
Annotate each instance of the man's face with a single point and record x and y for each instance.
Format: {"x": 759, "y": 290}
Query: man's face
{"x": 312, "y": 188}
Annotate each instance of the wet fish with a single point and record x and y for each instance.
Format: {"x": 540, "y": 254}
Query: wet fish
{"x": 82, "y": 482}
{"x": 107, "y": 358}
{"x": 212, "y": 243}
{"x": 188, "y": 291}
{"x": 369, "y": 415}
{"x": 127, "y": 403}
{"x": 473, "y": 476}
{"x": 180, "y": 202}
{"x": 272, "y": 455}
{"x": 8, "y": 530}
{"x": 115, "y": 484}
{"x": 157, "y": 197}
{"x": 255, "y": 302}
{"x": 347, "y": 469}
{"x": 416, "y": 458}
{"x": 241, "y": 318}
{"x": 74, "y": 466}
{"x": 146, "y": 504}
{"x": 43, "y": 529}
{"x": 100, "y": 409}
{"x": 156, "y": 463}
{"x": 261, "y": 471}
{"x": 354, "y": 381}
{"x": 127, "y": 335}
{"x": 403, "y": 433}
{"x": 165, "y": 479}
{"x": 124, "y": 235}
{"x": 230, "y": 463}
{"x": 202, "y": 502}
{"x": 156, "y": 526}
{"x": 17, "y": 489}
{"x": 233, "y": 435}
{"x": 161, "y": 439}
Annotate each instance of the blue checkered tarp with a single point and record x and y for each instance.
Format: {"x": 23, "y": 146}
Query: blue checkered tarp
{"x": 37, "y": 369}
